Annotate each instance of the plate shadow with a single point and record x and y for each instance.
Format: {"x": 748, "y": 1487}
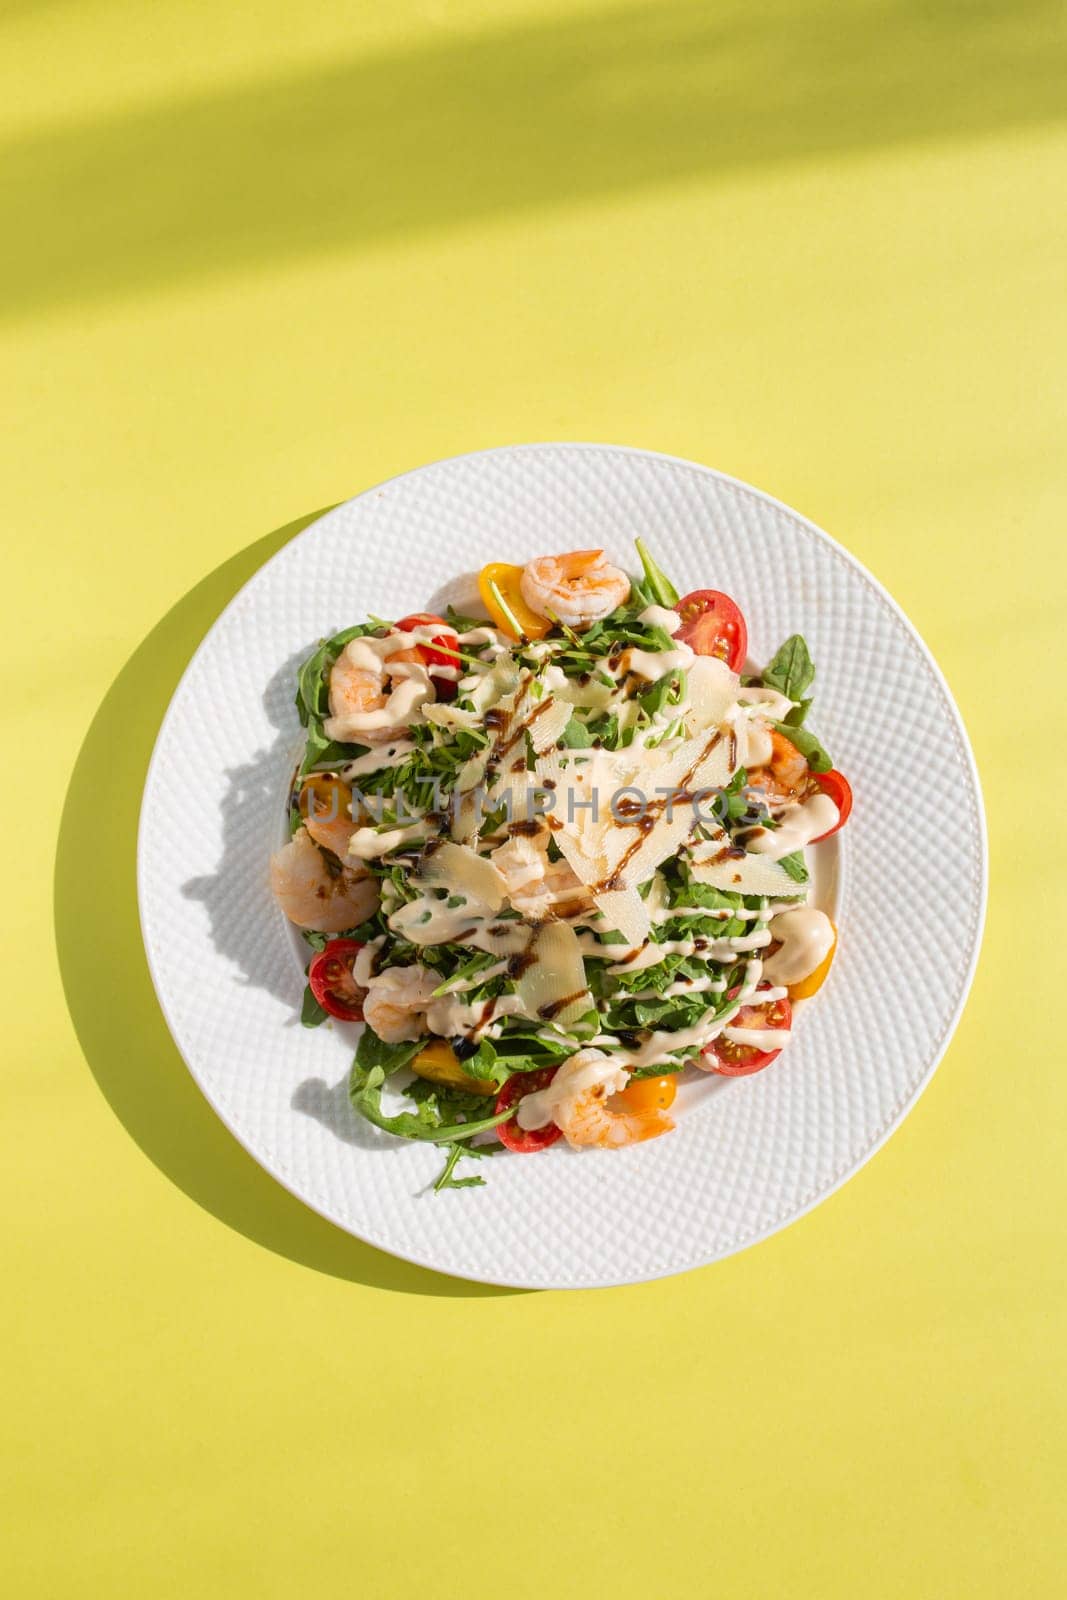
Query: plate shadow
{"x": 105, "y": 975}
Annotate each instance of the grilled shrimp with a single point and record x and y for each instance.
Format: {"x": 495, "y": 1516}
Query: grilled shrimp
{"x": 397, "y": 1002}
{"x": 536, "y": 886}
{"x": 366, "y": 705}
{"x": 786, "y": 776}
{"x": 580, "y": 1096}
{"x": 317, "y": 892}
{"x": 579, "y": 588}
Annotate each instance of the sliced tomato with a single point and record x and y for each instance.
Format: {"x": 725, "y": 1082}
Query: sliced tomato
{"x": 525, "y": 1140}
{"x": 712, "y": 625}
{"x": 739, "y": 1060}
{"x": 332, "y": 983}
{"x": 836, "y": 785}
{"x": 437, "y": 651}
{"x": 440, "y": 649}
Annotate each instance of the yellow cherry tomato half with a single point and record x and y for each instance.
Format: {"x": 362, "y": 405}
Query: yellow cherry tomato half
{"x": 325, "y": 798}
{"x": 647, "y": 1094}
{"x": 804, "y": 988}
{"x": 498, "y": 585}
{"x": 439, "y": 1063}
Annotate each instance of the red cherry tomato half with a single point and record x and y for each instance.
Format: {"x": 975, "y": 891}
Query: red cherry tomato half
{"x": 439, "y": 651}
{"x": 712, "y": 625}
{"x": 332, "y": 983}
{"x": 739, "y": 1060}
{"x": 836, "y": 785}
{"x": 525, "y": 1140}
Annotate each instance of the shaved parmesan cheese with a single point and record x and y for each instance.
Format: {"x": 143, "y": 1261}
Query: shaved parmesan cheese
{"x": 538, "y": 715}
{"x": 461, "y": 870}
{"x": 487, "y": 688}
{"x": 449, "y": 716}
{"x": 552, "y": 986}
{"x": 594, "y": 695}
{"x": 615, "y": 817}
{"x": 547, "y": 729}
{"x": 659, "y": 844}
{"x": 747, "y": 874}
{"x": 519, "y": 715}
{"x": 712, "y": 690}
{"x": 626, "y": 912}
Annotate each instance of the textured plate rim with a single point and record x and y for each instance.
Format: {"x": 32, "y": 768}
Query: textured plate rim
{"x": 852, "y": 1167}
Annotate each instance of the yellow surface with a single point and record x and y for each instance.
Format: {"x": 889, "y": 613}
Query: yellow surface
{"x": 258, "y": 257}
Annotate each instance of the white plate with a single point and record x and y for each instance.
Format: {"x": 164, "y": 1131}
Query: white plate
{"x": 749, "y": 1155}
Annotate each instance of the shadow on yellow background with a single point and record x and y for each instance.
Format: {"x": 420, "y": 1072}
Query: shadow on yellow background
{"x": 105, "y": 976}
{"x": 532, "y": 115}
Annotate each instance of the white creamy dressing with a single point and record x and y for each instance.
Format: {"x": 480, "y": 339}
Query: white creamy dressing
{"x": 661, "y": 617}
{"x": 383, "y": 756}
{"x": 799, "y": 826}
{"x": 759, "y": 1038}
{"x": 652, "y": 665}
{"x": 683, "y": 986}
{"x": 755, "y": 748}
{"x": 449, "y": 1017}
{"x": 807, "y": 937}
{"x": 369, "y": 655}
{"x": 575, "y": 1079}
{"x": 366, "y": 961}
{"x": 427, "y": 920}
{"x": 715, "y": 913}
{"x": 750, "y": 719}
{"x": 663, "y": 1047}
{"x": 768, "y": 702}
{"x": 486, "y": 635}
{"x": 649, "y": 955}
{"x": 590, "y": 696}
{"x": 367, "y": 844}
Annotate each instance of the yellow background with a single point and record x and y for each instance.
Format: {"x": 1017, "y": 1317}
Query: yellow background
{"x": 257, "y": 258}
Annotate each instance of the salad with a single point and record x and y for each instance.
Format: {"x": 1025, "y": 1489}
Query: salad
{"x": 553, "y": 856}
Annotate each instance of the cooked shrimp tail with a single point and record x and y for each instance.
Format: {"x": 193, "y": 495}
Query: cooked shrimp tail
{"x": 577, "y": 589}
{"x": 318, "y": 892}
{"x": 580, "y": 1101}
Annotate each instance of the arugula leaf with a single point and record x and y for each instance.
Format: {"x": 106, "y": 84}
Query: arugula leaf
{"x": 311, "y": 696}
{"x": 656, "y": 584}
{"x": 808, "y": 745}
{"x": 669, "y": 689}
{"x": 445, "y": 1103}
{"x": 795, "y": 865}
{"x": 483, "y": 1064}
{"x": 464, "y": 624}
{"x": 466, "y": 969}
{"x": 365, "y": 1093}
{"x": 311, "y": 1013}
{"x": 322, "y": 752}
{"x": 792, "y": 670}
{"x": 456, "y": 1153}
{"x": 576, "y": 735}
{"x": 796, "y": 716}
{"x": 372, "y": 1053}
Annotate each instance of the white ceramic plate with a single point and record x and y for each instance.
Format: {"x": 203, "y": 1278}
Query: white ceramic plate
{"x": 749, "y": 1155}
